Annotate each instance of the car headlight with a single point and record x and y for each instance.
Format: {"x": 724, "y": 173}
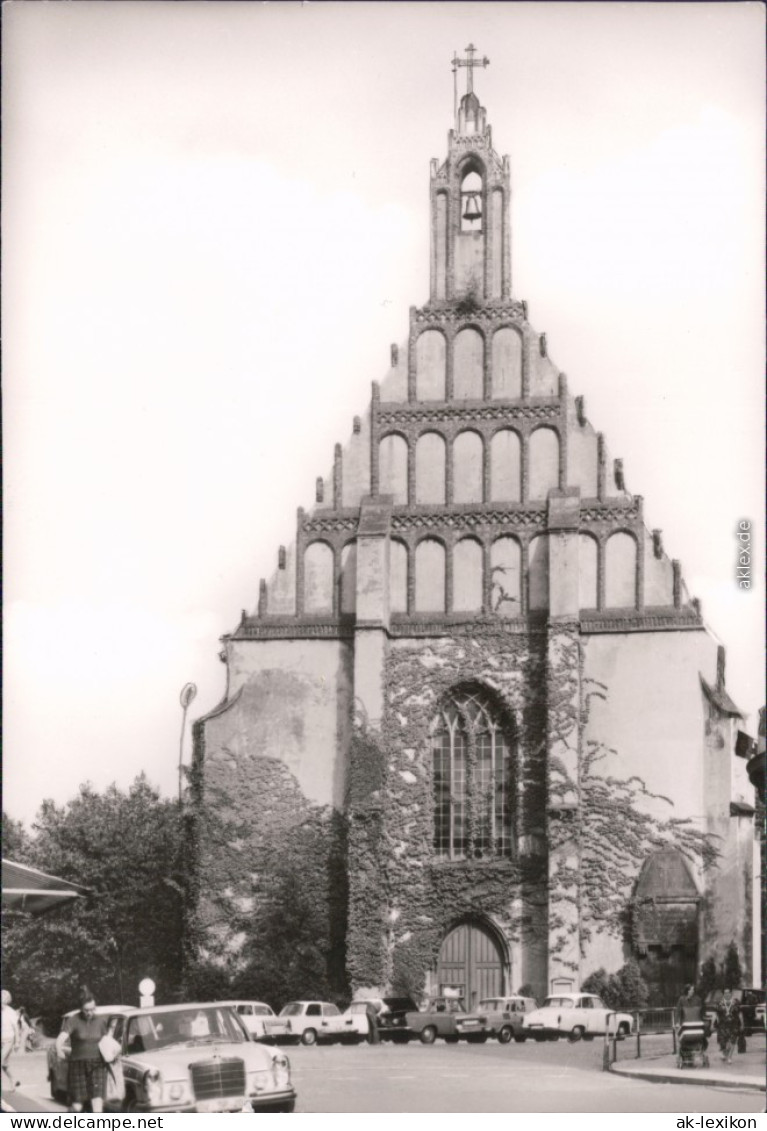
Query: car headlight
{"x": 177, "y": 1092}
{"x": 152, "y": 1084}
{"x": 281, "y": 1071}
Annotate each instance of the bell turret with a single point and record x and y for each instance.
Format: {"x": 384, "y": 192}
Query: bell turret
{"x": 470, "y": 193}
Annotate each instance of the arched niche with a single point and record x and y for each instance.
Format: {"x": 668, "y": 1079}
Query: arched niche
{"x": 318, "y": 578}
{"x": 468, "y": 468}
{"x": 430, "y": 576}
{"x": 506, "y": 577}
{"x": 349, "y": 577}
{"x": 392, "y": 462}
{"x": 430, "y": 469}
{"x": 468, "y": 365}
{"x": 467, "y": 576}
{"x": 538, "y": 572}
{"x": 430, "y": 354}
{"x": 588, "y": 557}
{"x": 397, "y": 576}
{"x": 543, "y": 462}
{"x": 620, "y": 571}
{"x": 505, "y": 467}
{"x": 507, "y": 364}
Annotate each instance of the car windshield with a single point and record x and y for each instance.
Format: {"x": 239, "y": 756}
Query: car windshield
{"x": 204, "y": 1025}
{"x": 262, "y": 1011}
{"x": 491, "y": 1003}
{"x": 292, "y": 1009}
{"x": 558, "y": 1003}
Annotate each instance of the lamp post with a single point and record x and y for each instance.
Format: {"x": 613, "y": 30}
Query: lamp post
{"x": 188, "y": 692}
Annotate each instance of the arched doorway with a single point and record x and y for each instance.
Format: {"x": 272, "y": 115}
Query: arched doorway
{"x": 471, "y": 961}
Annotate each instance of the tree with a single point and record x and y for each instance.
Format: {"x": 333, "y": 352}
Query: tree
{"x": 732, "y": 972}
{"x": 124, "y": 847}
{"x": 17, "y": 843}
{"x": 709, "y": 978}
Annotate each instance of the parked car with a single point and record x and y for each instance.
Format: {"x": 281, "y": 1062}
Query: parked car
{"x": 199, "y": 1058}
{"x": 752, "y": 1008}
{"x": 499, "y": 1017}
{"x": 260, "y": 1020}
{"x": 392, "y": 1019}
{"x": 439, "y": 1018}
{"x": 58, "y": 1066}
{"x": 313, "y": 1021}
{"x": 357, "y": 1020}
{"x": 573, "y": 1015}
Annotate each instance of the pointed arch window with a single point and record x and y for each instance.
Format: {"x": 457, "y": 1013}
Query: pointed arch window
{"x": 472, "y": 768}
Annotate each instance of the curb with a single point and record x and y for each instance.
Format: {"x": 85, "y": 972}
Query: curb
{"x": 659, "y": 1076}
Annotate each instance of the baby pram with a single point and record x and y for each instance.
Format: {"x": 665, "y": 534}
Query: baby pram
{"x": 691, "y": 1045}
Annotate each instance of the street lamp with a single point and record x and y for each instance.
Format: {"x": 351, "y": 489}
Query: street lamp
{"x": 188, "y": 692}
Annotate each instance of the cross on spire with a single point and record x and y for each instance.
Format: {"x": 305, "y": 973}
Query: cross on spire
{"x": 470, "y": 63}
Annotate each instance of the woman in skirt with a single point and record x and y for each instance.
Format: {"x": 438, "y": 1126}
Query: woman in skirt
{"x": 728, "y": 1024}
{"x": 87, "y": 1077}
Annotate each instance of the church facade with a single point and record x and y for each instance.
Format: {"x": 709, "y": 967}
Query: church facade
{"x": 478, "y": 678}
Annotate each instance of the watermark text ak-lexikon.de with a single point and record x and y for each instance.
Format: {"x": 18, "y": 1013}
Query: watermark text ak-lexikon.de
{"x": 743, "y": 568}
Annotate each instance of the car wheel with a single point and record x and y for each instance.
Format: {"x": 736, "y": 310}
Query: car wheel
{"x": 129, "y": 1103}
{"x": 553, "y": 1037}
{"x": 577, "y": 1033}
{"x": 540, "y": 1037}
{"x": 453, "y": 1040}
{"x": 309, "y": 1037}
{"x": 477, "y": 1038}
{"x": 588, "y": 1036}
{"x": 428, "y": 1035}
{"x": 520, "y": 1038}
{"x": 400, "y": 1038}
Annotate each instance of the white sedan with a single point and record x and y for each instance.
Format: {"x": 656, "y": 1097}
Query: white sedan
{"x": 575, "y": 1016}
{"x": 260, "y": 1020}
{"x": 313, "y": 1021}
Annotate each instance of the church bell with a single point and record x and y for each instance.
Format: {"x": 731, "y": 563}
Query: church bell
{"x": 472, "y": 209}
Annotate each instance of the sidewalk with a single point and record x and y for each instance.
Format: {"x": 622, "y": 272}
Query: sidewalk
{"x": 31, "y": 1070}
{"x": 746, "y": 1072}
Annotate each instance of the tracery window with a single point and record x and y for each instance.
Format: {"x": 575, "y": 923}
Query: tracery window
{"x": 472, "y": 770}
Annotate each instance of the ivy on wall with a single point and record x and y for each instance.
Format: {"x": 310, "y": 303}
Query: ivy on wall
{"x": 268, "y": 886}
{"x": 582, "y": 832}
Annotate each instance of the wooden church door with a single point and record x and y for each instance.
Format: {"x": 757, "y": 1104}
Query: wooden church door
{"x": 469, "y": 960}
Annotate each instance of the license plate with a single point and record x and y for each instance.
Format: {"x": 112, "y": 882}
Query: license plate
{"x": 222, "y": 1103}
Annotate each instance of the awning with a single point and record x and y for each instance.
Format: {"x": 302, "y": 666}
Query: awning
{"x": 28, "y": 889}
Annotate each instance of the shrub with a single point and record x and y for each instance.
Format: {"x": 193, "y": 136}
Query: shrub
{"x": 626, "y": 989}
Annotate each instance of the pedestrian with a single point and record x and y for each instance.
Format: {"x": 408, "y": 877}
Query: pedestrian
{"x": 25, "y": 1030}
{"x": 374, "y": 1037}
{"x": 87, "y": 1076}
{"x": 10, "y": 1036}
{"x": 728, "y": 1025}
{"x": 689, "y": 1007}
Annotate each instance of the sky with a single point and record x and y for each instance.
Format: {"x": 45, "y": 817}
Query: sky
{"x": 215, "y": 221}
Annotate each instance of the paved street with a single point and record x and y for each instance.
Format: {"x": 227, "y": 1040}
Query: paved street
{"x": 467, "y": 1078}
